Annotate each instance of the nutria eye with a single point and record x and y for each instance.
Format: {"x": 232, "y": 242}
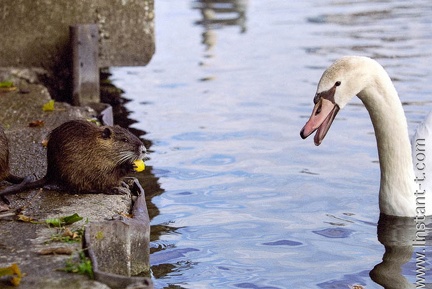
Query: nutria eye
{"x": 337, "y": 83}
{"x": 125, "y": 140}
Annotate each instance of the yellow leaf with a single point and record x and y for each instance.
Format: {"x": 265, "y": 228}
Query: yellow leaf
{"x": 6, "y": 84}
{"x": 99, "y": 235}
{"x": 25, "y": 219}
{"x": 49, "y": 106}
{"x": 13, "y": 271}
{"x": 139, "y": 165}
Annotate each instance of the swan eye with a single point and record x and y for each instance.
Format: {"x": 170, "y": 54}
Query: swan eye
{"x": 337, "y": 83}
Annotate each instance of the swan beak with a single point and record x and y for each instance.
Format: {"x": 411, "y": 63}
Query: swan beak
{"x": 323, "y": 114}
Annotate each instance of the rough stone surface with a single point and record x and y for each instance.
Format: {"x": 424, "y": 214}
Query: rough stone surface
{"x": 21, "y": 242}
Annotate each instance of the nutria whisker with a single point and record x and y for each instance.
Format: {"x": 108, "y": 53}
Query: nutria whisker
{"x": 127, "y": 156}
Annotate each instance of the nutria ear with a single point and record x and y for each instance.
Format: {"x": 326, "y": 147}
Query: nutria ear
{"x": 106, "y": 133}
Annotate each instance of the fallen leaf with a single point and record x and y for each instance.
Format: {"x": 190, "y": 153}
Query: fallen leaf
{"x": 72, "y": 219}
{"x": 126, "y": 215}
{"x": 7, "y": 89}
{"x": 67, "y": 233}
{"x": 99, "y": 235}
{"x": 37, "y": 123}
{"x": 6, "y": 84}
{"x": 55, "y": 222}
{"x": 49, "y": 106}
{"x": 56, "y": 251}
{"x": 71, "y": 234}
{"x": 44, "y": 143}
{"x": 67, "y": 220}
{"x": 14, "y": 272}
{"x": 26, "y": 219}
{"x": 94, "y": 121}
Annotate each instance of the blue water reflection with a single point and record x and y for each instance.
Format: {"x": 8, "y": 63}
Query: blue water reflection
{"x": 243, "y": 202}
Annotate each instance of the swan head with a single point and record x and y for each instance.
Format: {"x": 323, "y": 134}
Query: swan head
{"x": 339, "y": 83}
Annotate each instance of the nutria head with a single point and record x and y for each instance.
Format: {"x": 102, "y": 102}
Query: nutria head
{"x": 123, "y": 146}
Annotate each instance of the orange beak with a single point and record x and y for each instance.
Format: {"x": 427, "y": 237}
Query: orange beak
{"x": 323, "y": 114}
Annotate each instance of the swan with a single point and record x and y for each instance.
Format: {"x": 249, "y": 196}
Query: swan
{"x": 406, "y": 171}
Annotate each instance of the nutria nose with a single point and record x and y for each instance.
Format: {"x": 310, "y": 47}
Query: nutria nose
{"x": 143, "y": 150}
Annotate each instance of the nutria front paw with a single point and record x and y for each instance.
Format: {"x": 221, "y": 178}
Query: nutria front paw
{"x": 123, "y": 189}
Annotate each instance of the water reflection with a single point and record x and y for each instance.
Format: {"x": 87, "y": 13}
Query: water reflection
{"x": 400, "y": 262}
{"x": 220, "y": 13}
{"x": 397, "y": 235}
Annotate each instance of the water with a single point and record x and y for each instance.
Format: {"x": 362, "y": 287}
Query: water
{"x": 238, "y": 200}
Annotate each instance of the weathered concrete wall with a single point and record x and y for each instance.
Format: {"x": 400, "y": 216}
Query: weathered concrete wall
{"x": 35, "y": 33}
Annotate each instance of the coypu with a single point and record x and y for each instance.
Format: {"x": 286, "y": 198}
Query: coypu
{"x": 85, "y": 158}
{"x": 5, "y": 174}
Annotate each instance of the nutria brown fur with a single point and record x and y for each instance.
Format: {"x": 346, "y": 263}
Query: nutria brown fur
{"x": 85, "y": 158}
{"x": 5, "y": 174}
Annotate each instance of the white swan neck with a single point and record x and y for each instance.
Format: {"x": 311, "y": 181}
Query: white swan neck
{"x": 380, "y": 97}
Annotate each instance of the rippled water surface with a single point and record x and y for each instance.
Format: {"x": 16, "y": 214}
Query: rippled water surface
{"x": 238, "y": 200}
